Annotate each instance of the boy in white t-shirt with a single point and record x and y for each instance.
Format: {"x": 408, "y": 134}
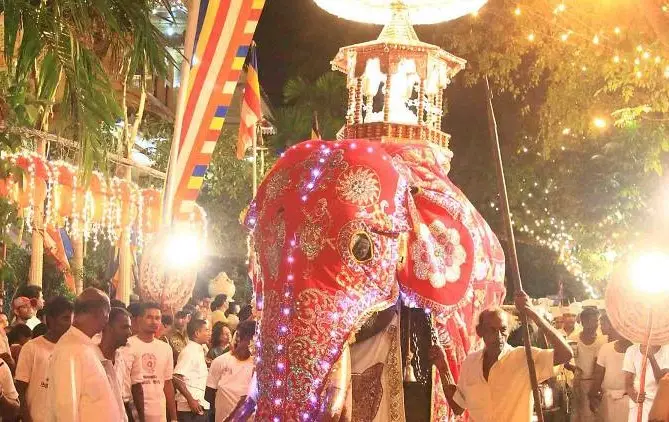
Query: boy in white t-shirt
{"x": 31, "y": 370}
{"x": 658, "y": 363}
{"x": 190, "y": 374}
{"x": 151, "y": 371}
{"x": 607, "y": 393}
{"x": 231, "y": 373}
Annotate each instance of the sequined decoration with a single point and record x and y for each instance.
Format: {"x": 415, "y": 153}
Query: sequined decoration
{"x": 394, "y": 379}
{"x": 271, "y": 240}
{"x": 313, "y": 232}
{"x": 277, "y": 183}
{"x": 368, "y": 389}
{"x": 359, "y": 186}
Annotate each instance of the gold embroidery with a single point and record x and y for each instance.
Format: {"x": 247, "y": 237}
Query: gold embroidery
{"x": 312, "y": 234}
{"x": 277, "y": 183}
{"x": 394, "y": 378}
{"x": 272, "y": 241}
{"x": 367, "y": 393}
{"x": 359, "y": 186}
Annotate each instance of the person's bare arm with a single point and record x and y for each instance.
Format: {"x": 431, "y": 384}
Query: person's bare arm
{"x": 9, "y": 408}
{"x": 658, "y": 372}
{"x": 210, "y": 396}
{"x": 594, "y": 395}
{"x": 138, "y": 399}
{"x": 180, "y": 385}
{"x": 21, "y": 388}
{"x": 9, "y": 360}
{"x": 438, "y": 358}
{"x": 562, "y": 353}
{"x": 630, "y": 390}
{"x": 168, "y": 389}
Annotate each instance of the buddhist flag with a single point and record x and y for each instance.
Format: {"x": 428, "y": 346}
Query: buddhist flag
{"x": 315, "y": 128}
{"x": 54, "y": 246}
{"x": 218, "y": 35}
{"x": 251, "y": 110}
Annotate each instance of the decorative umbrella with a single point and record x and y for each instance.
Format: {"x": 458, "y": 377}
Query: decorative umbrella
{"x": 636, "y": 304}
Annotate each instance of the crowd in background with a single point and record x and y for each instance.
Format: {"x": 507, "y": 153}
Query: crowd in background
{"x": 96, "y": 359}
{"x": 603, "y": 379}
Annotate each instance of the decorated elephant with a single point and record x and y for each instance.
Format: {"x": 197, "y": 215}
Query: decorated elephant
{"x": 342, "y": 230}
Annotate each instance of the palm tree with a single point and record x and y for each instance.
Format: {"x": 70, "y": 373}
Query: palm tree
{"x": 55, "y": 52}
{"x": 326, "y": 96}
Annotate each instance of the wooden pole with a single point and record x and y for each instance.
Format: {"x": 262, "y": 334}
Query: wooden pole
{"x": 644, "y": 367}
{"x": 255, "y": 159}
{"x": 37, "y": 239}
{"x": 513, "y": 256}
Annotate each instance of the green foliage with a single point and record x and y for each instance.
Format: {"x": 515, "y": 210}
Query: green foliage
{"x": 14, "y": 274}
{"x": 596, "y": 188}
{"x": 326, "y": 96}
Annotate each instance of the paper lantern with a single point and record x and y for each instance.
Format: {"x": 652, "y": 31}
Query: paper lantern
{"x": 98, "y": 194}
{"x": 127, "y": 192}
{"x": 31, "y": 194}
{"x": 173, "y": 288}
{"x": 152, "y": 210}
{"x": 63, "y": 189}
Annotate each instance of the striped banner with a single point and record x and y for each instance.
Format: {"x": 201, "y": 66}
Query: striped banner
{"x": 224, "y": 31}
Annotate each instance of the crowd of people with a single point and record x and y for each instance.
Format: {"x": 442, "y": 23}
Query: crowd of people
{"x": 94, "y": 359}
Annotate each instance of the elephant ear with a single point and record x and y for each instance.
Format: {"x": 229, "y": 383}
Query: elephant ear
{"x": 453, "y": 260}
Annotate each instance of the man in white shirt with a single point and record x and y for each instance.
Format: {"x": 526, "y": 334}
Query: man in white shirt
{"x": 607, "y": 394}
{"x": 79, "y": 390}
{"x": 115, "y": 335}
{"x": 152, "y": 369}
{"x": 31, "y": 369}
{"x": 657, "y": 367}
{"x": 231, "y": 373}
{"x": 190, "y": 374}
{"x": 494, "y": 383}
{"x": 585, "y": 357}
{"x": 9, "y": 398}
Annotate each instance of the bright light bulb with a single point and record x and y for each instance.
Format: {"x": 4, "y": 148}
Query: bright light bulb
{"x": 564, "y": 37}
{"x": 531, "y": 37}
{"x": 566, "y": 131}
{"x": 616, "y": 59}
{"x": 182, "y": 250}
{"x": 595, "y": 39}
{"x": 599, "y": 122}
{"x": 648, "y": 273}
{"x": 517, "y": 11}
{"x": 616, "y": 30}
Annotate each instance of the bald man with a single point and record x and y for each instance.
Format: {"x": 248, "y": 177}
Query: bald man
{"x": 494, "y": 383}
{"x": 79, "y": 389}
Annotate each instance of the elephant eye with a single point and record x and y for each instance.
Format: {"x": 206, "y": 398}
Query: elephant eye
{"x": 361, "y": 247}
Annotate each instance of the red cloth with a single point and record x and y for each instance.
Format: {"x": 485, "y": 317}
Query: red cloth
{"x": 316, "y": 280}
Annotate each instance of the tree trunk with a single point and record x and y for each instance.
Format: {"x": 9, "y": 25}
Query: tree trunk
{"x": 125, "y": 285}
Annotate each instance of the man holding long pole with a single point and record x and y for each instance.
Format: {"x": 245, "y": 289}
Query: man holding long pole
{"x": 492, "y": 384}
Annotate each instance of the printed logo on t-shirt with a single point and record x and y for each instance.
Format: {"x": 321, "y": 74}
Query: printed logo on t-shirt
{"x": 149, "y": 363}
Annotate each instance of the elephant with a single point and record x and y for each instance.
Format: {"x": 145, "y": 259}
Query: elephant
{"x": 344, "y": 229}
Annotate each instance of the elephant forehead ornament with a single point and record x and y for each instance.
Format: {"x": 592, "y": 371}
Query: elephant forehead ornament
{"x": 339, "y": 230}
